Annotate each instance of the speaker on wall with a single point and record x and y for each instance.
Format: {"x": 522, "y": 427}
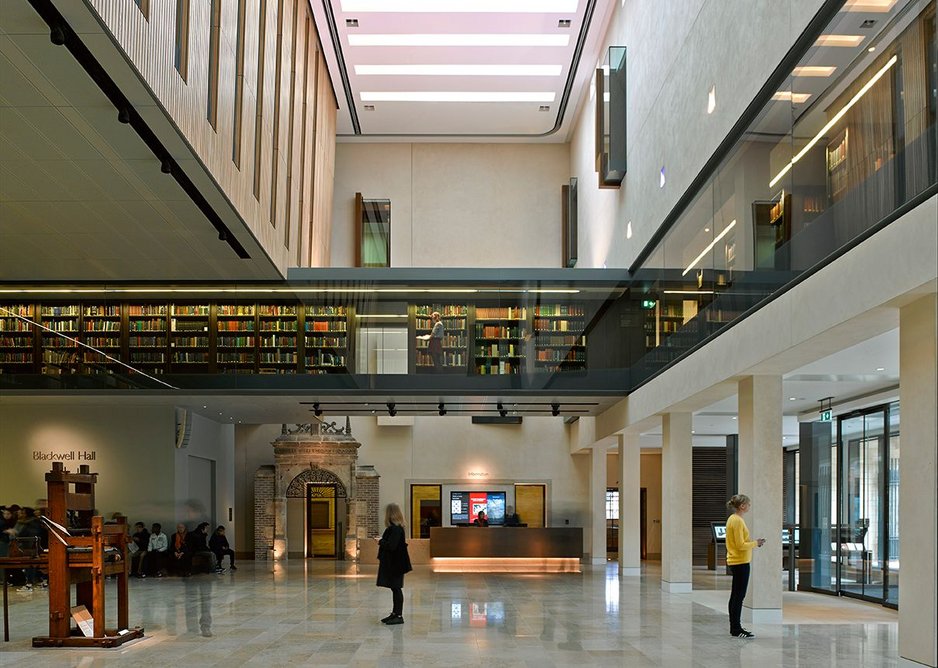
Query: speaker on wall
{"x": 569, "y": 214}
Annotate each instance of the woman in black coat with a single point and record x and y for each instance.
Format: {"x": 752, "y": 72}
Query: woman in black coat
{"x": 393, "y": 561}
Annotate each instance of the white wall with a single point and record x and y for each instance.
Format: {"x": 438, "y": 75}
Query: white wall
{"x": 133, "y": 450}
{"x": 676, "y": 51}
{"x": 456, "y": 205}
{"x": 435, "y": 449}
{"x": 215, "y": 442}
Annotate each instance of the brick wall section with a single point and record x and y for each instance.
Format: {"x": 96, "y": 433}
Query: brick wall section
{"x": 367, "y": 488}
{"x": 264, "y": 490}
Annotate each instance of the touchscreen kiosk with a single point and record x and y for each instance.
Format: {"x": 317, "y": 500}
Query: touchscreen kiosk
{"x": 718, "y": 529}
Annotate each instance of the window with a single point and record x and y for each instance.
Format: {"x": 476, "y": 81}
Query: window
{"x": 292, "y": 117}
{"x": 373, "y": 220}
{"x": 612, "y": 504}
{"x": 213, "y": 36}
{"x": 239, "y": 88}
{"x": 259, "y": 92}
{"x": 182, "y": 38}
{"x": 144, "y": 7}
{"x": 275, "y": 153}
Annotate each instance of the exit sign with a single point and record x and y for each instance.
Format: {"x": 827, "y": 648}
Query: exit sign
{"x": 826, "y": 415}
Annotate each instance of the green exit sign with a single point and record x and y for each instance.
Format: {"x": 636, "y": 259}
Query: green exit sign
{"x": 648, "y": 303}
{"x": 826, "y": 415}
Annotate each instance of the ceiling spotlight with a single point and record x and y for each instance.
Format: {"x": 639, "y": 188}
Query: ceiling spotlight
{"x": 871, "y": 49}
{"x": 442, "y": 409}
{"x": 880, "y": 368}
{"x": 123, "y": 115}
{"x": 166, "y": 166}
{"x": 317, "y": 411}
{"x": 57, "y": 35}
{"x": 563, "y": 23}
{"x": 351, "y": 23}
{"x": 868, "y": 23}
{"x": 391, "y": 410}
{"x": 555, "y": 409}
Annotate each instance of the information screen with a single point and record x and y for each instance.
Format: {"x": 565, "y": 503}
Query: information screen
{"x": 465, "y": 506}
{"x": 719, "y": 531}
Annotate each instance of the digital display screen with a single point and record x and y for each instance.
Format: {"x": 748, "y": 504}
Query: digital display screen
{"x": 465, "y": 506}
{"x": 719, "y": 531}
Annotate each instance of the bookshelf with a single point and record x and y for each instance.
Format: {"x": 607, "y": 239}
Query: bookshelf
{"x": 500, "y": 338}
{"x": 235, "y": 338}
{"x": 189, "y": 336}
{"x": 277, "y": 338}
{"x": 455, "y": 338}
{"x": 325, "y": 341}
{"x": 60, "y": 355}
{"x": 17, "y": 339}
{"x": 147, "y": 336}
{"x": 559, "y": 342}
{"x": 101, "y": 329}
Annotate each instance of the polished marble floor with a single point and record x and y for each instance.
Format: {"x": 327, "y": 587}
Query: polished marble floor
{"x": 326, "y": 614}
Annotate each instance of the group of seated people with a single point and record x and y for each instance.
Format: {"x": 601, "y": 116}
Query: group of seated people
{"x": 182, "y": 553}
{"x": 151, "y": 552}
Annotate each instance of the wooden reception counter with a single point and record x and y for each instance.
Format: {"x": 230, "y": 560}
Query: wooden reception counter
{"x": 506, "y": 549}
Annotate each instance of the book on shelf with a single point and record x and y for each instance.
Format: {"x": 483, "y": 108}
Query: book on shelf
{"x": 190, "y": 342}
{"x": 235, "y": 326}
{"x": 190, "y": 309}
{"x": 102, "y": 310}
{"x": 277, "y": 341}
{"x": 558, "y": 310}
{"x": 501, "y": 313}
{"x": 146, "y": 309}
{"x": 71, "y": 310}
{"x": 226, "y": 341}
{"x": 235, "y": 310}
{"x": 330, "y": 311}
{"x": 499, "y": 332}
{"x": 278, "y": 326}
{"x": 276, "y": 310}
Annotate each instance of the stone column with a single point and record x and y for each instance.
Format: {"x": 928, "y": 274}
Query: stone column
{"x": 630, "y": 493}
{"x": 918, "y": 595}
{"x": 598, "y": 505}
{"x": 760, "y": 478}
{"x": 676, "y": 499}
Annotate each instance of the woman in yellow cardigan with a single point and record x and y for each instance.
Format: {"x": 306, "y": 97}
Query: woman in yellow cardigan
{"x": 738, "y": 555}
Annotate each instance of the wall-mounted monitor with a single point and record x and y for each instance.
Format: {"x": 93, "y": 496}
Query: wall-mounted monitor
{"x": 718, "y": 529}
{"x": 465, "y": 506}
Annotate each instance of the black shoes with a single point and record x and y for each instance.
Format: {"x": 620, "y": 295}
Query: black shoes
{"x": 393, "y": 619}
{"x": 743, "y": 633}
{"x": 233, "y": 567}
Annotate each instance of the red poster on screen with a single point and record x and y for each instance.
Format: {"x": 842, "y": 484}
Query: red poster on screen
{"x": 477, "y": 501}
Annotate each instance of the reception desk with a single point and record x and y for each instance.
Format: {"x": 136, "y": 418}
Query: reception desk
{"x": 506, "y": 549}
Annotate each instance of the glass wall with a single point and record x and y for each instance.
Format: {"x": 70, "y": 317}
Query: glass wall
{"x": 847, "y": 138}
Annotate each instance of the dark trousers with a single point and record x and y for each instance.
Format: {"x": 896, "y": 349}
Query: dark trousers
{"x": 220, "y": 554}
{"x": 740, "y": 585}
{"x": 397, "y": 594}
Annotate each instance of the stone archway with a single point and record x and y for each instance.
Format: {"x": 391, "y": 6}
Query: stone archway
{"x": 312, "y": 453}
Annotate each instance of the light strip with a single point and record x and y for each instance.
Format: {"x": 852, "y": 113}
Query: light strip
{"x": 456, "y": 96}
{"x": 833, "y": 121}
{"x": 460, "y": 70}
{"x": 378, "y": 315}
{"x": 688, "y": 292}
{"x": 788, "y": 96}
{"x": 868, "y": 5}
{"x": 839, "y": 40}
{"x": 236, "y": 291}
{"x": 85, "y": 345}
{"x": 709, "y": 247}
{"x": 461, "y": 6}
{"x": 459, "y": 39}
{"x": 813, "y": 71}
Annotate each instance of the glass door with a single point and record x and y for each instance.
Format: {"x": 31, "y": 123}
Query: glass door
{"x": 861, "y": 532}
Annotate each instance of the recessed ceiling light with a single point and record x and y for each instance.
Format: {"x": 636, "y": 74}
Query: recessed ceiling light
{"x": 628, "y": 230}
{"x": 706, "y": 229}
{"x": 871, "y": 49}
{"x": 733, "y": 418}
{"x": 814, "y": 71}
{"x": 457, "y": 96}
{"x": 460, "y": 70}
{"x": 369, "y": 107}
{"x": 788, "y": 96}
{"x": 351, "y": 23}
{"x": 544, "y": 107}
{"x": 462, "y": 7}
{"x": 792, "y": 398}
{"x": 839, "y": 40}
{"x": 204, "y": 406}
{"x": 880, "y": 368}
{"x": 661, "y": 178}
{"x": 869, "y": 23}
{"x": 868, "y": 5}
{"x": 563, "y": 23}
{"x": 441, "y": 39}
{"x": 712, "y": 99}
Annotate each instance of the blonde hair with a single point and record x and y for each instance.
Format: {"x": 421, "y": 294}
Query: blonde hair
{"x": 393, "y": 515}
{"x": 737, "y": 502}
